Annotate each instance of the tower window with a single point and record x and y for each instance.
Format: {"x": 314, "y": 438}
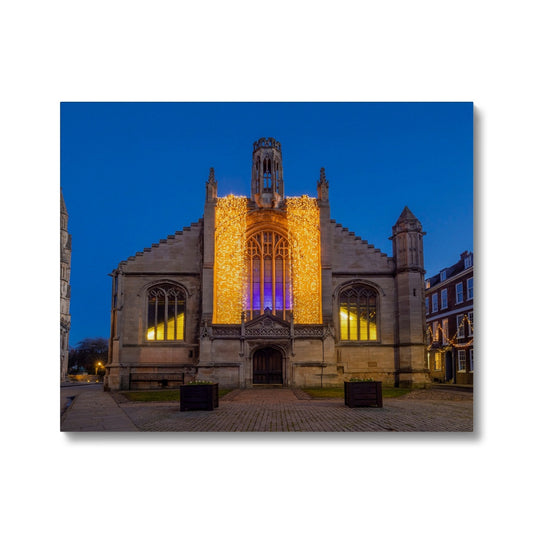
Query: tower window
{"x": 166, "y": 313}
{"x": 358, "y": 313}
{"x": 267, "y": 176}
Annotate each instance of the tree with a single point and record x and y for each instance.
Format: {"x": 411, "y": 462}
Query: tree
{"x": 87, "y": 354}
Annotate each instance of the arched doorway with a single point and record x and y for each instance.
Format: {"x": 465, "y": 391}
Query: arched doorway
{"x": 268, "y": 366}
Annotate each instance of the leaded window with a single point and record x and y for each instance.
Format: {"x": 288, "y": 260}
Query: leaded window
{"x": 166, "y": 313}
{"x": 358, "y": 313}
{"x": 268, "y": 274}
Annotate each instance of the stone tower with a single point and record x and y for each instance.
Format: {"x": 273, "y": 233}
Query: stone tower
{"x": 65, "y": 288}
{"x": 408, "y": 253}
{"x": 267, "y": 173}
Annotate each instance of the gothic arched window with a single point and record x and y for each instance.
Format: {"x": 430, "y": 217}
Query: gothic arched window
{"x": 166, "y": 313}
{"x": 358, "y": 313}
{"x": 267, "y": 176}
{"x": 269, "y": 279}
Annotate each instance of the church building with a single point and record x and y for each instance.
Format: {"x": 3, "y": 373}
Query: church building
{"x": 269, "y": 290}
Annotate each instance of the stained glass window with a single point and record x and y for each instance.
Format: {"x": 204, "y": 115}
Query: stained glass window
{"x": 268, "y": 273}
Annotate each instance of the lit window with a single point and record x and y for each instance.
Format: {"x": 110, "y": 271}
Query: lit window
{"x": 461, "y": 359}
{"x": 444, "y": 298}
{"x": 435, "y": 332}
{"x": 438, "y": 361}
{"x": 470, "y": 324}
{"x": 445, "y": 334}
{"x": 459, "y": 293}
{"x": 357, "y": 314}
{"x": 269, "y": 275}
{"x": 460, "y": 326}
{"x": 166, "y": 313}
{"x": 435, "y": 302}
{"x": 470, "y": 288}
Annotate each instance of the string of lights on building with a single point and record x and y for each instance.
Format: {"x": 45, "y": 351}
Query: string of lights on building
{"x": 303, "y": 220}
{"x": 303, "y": 228}
{"x": 229, "y": 265}
{"x": 450, "y": 342}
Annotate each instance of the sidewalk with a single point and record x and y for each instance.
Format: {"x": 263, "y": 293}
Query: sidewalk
{"x": 95, "y": 410}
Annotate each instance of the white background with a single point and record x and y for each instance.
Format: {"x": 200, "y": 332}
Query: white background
{"x": 271, "y": 51}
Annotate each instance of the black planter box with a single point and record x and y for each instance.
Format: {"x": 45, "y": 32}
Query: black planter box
{"x": 363, "y": 394}
{"x": 198, "y": 397}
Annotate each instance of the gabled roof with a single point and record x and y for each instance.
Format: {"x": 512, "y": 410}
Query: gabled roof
{"x": 267, "y": 316}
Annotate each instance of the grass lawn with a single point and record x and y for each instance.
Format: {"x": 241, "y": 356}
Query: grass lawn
{"x": 338, "y": 392}
{"x": 170, "y": 395}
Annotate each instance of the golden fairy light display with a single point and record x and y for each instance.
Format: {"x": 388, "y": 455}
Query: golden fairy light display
{"x": 453, "y": 341}
{"x": 303, "y": 220}
{"x": 229, "y": 264}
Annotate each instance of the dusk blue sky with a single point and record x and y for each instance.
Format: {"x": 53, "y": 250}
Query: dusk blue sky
{"x": 133, "y": 173}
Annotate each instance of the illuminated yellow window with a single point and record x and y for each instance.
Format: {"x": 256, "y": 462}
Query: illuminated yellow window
{"x": 357, "y": 314}
{"x": 166, "y": 313}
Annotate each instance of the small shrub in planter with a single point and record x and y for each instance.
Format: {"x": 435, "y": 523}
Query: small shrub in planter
{"x": 199, "y": 396}
{"x": 363, "y": 393}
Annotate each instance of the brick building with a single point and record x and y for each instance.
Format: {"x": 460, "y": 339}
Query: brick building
{"x": 268, "y": 289}
{"x": 450, "y": 322}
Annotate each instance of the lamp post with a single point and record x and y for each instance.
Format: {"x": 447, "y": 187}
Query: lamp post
{"x": 98, "y": 366}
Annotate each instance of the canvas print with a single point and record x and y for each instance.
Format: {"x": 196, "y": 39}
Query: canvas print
{"x": 267, "y": 267}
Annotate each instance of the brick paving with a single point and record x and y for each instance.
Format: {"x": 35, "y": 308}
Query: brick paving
{"x": 274, "y": 410}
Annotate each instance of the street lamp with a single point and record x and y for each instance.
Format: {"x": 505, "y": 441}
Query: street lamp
{"x": 98, "y": 366}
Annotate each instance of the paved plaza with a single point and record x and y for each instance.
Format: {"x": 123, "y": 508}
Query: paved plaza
{"x": 268, "y": 410}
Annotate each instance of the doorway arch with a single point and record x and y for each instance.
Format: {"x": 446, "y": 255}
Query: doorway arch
{"x": 268, "y": 366}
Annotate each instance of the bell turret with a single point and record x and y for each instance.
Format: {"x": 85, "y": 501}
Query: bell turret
{"x": 267, "y": 173}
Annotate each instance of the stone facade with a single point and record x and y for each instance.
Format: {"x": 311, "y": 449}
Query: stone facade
{"x": 66, "y": 250}
{"x": 269, "y": 290}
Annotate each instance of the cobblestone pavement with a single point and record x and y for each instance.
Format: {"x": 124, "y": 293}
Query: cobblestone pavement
{"x": 270, "y": 410}
{"x": 288, "y": 410}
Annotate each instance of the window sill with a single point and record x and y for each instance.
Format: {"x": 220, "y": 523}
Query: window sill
{"x": 167, "y": 343}
{"x": 357, "y": 343}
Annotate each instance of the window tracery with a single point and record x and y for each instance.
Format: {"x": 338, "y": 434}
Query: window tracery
{"x": 358, "y": 313}
{"x": 165, "y": 313}
{"x": 268, "y": 274}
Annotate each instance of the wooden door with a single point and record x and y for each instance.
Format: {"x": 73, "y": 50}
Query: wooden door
{"x": 268, "y": 367}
